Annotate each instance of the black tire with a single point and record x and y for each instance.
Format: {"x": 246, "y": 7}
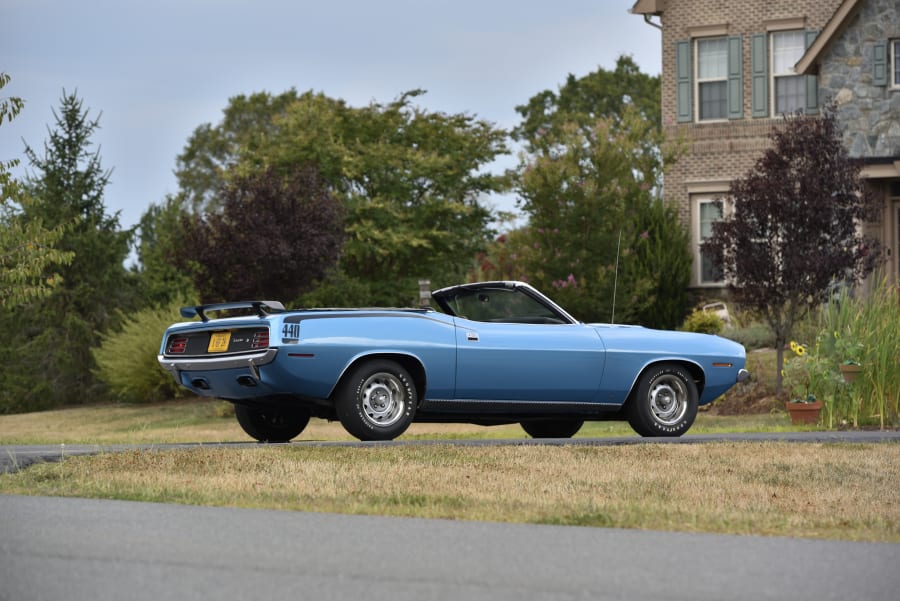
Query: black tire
{"x": 376, "y": 400}
{"x": 552, "y": 428}
{"x": 664, "y": 402}
{"x": 270, "y": 424}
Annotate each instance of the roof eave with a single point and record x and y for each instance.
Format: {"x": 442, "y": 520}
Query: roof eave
{"x": 840, "y": 18}
{"x": 648, "y": 7}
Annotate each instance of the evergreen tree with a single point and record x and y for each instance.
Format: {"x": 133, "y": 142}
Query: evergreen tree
{"x": 48, "y": 358}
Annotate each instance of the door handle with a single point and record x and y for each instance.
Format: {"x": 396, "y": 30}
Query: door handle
{"x": 472, "y": 336}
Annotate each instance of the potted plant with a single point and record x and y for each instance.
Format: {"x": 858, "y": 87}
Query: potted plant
{"x": 804, "y": 411}
{"x": 850, "y": 351}
{"x": 804, "y": 407}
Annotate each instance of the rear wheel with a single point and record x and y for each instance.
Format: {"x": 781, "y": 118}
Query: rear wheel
{"x": 552, "y": 428}
{"x": 665, "y": 401}
{"x": 376, "y": 400}
{"x": 270, "y": 424}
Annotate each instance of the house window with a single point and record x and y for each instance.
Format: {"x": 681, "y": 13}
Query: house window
{"x": 709, "y": 210}
{"x": 712, "y": 79}
{"x": 788, "y": 88}
{"x": 895, "y": 63}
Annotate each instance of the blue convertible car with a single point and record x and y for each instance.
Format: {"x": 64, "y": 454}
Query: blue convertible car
{"x": 495, "y": 353}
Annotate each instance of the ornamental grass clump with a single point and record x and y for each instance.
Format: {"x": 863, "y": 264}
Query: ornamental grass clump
{"x": 863, "y": 329}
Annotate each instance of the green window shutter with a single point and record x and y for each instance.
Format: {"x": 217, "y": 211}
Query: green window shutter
{"x": 759, "y": 67}
{"x": 683, "y": 81}
{"x": 735, "y": 93}
{"x": 880, "y": 64}
{"x": 812, "y": 82}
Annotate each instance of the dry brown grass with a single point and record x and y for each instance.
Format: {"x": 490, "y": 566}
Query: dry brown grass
{"x": 810, "y": 490}
{"x": 202, "y": 420}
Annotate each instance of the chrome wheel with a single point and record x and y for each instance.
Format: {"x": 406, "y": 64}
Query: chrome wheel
{"x": 664, "y": 402}
{"x": 376, "y": 400}
{"x": 383, "y": 399}
{"x": 668, "y": 400}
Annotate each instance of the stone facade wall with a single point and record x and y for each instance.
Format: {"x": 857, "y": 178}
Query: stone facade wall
{"x": 716, "y": 153}
{"x": 869, "y": 113}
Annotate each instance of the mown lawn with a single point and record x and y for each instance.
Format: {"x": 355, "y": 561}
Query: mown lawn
{"x": 213, "y": 421}
{"x": 836, "y": 491}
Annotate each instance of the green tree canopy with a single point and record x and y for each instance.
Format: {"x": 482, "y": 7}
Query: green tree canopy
{"x": 412, "y": 181}
{"x": 203, "y": 166}
{"x": 27, "y": 249}
{"x": 598, "y": 239}
{"x": 598, "y": 95}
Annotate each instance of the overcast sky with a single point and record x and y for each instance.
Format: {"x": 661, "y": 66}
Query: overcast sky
{"x": 155, "y": 70}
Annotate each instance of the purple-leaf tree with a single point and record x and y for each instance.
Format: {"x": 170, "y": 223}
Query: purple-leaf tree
{"x": 272, "y": 238}
{"x": 795, "y": 228}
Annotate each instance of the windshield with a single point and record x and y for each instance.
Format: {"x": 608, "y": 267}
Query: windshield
{"x": 501, "y": 305}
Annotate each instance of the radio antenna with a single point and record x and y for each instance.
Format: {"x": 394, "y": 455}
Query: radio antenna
{"x": 612, "y": 318}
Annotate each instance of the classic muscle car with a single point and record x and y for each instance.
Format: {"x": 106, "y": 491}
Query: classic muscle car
{"x": 494, "y": 353}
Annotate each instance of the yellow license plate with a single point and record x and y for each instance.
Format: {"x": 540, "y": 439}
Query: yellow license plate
{"x": 218, "y": 342}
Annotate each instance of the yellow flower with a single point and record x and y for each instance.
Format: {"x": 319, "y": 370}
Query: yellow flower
{"x": 794, "y": 346}
{"x": 801, "y": 350}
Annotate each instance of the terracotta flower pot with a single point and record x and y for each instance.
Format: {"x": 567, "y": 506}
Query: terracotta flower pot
{"x": 804, "y": 413}
{"x": 850, "y": 372}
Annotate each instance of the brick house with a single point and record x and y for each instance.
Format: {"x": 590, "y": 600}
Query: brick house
{"x": 730, "y": 69}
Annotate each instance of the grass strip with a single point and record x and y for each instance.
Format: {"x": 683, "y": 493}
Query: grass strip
{"x": 835, "y": 491}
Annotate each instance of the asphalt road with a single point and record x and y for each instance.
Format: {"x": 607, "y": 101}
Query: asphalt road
{"x": 15, "y": 457}
{"x": 81, "y": 549}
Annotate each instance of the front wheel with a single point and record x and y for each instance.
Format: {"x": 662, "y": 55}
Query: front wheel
{"x": 552, "y": 428}
{"x": 665, "y": 401}
{"x": 270, "y": 424}
{"x": 376, "y": 400}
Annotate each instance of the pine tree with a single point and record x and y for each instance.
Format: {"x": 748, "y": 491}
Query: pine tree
{"x": 49, "y": 359}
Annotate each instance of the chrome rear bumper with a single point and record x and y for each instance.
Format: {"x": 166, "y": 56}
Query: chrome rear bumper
{"x": 176, "y": 366}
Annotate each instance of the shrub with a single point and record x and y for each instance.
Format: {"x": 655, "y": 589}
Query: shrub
{"x": 126, "y": 359}
{"x": 752, "y": 336}
{"x": 703, "y": 322}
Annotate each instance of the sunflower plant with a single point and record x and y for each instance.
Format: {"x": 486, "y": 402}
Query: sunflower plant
{"x": 796, "y": 374}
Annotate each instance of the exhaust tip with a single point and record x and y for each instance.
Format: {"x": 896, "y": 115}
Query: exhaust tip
{"x": 246, "y": 381}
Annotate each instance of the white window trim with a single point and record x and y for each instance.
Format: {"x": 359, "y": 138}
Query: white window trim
{"x": 697, "y": 200}
{"x": 772, "y": 76}
{"x": 698, "y": 81}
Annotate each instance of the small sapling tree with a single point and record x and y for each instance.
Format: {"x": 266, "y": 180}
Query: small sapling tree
{"x": 795, "y": 229}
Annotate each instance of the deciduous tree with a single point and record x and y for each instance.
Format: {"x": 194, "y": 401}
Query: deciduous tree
{"x": 794, "y": 231}
{"x": 412, "y": 181}
{"x": 597, "y": 233}
{"x": 273, "y": 237}
{"x": 28, "y": 253}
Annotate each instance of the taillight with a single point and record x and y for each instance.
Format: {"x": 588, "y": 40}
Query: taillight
{"x": 177, "y": 346}
{"x": 260, "y": 340}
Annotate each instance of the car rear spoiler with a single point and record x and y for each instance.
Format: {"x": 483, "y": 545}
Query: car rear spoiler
{"x": 261, "y": 308}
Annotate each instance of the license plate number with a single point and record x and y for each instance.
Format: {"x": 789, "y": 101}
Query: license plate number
{"x": 218, "y": 342}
